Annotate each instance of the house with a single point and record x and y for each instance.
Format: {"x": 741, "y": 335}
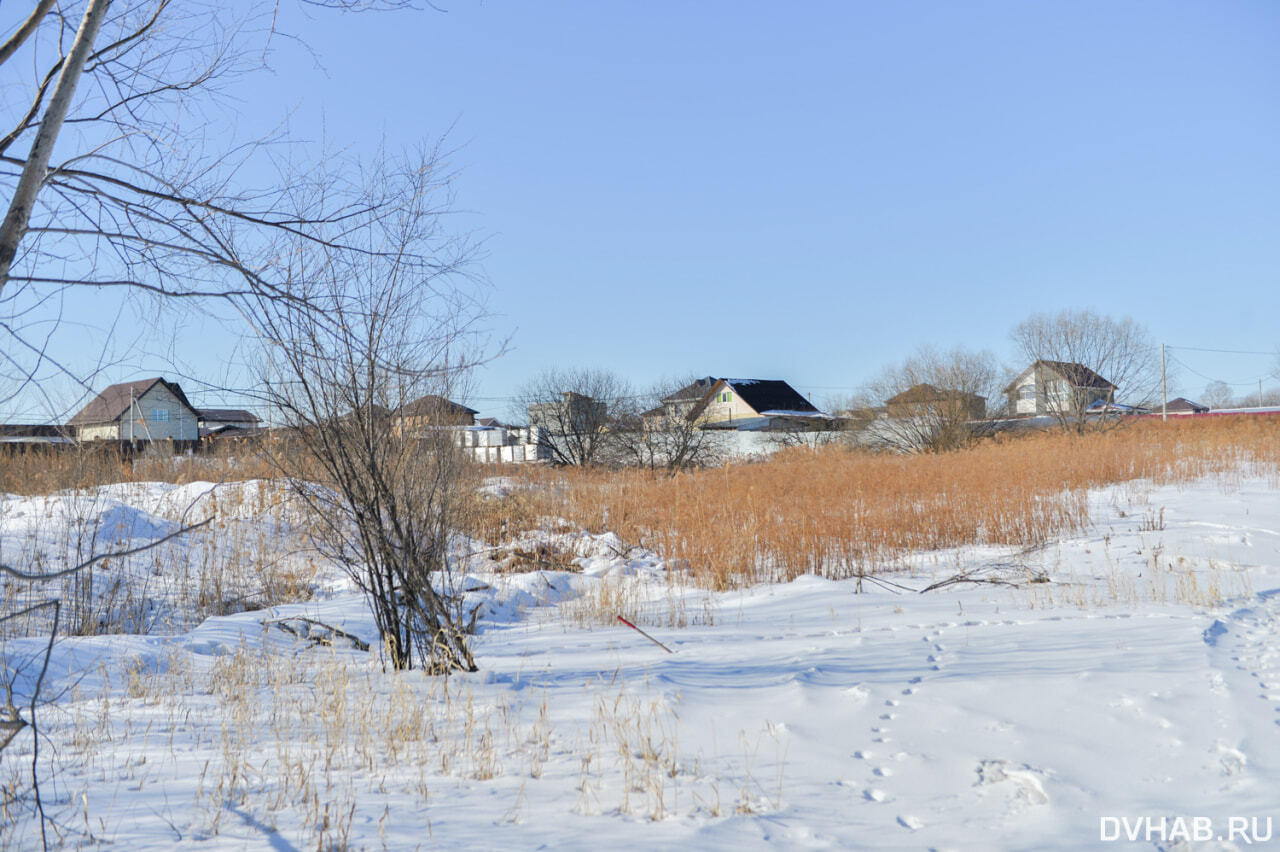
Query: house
{"x": 148, "y": 410}
{"x": 226, "y": 421}
{"x": 678, "y": 403}
{"x": 1182, "y": 405}
{"x": 1057, "y": 387}
{"x": 757, "y": 404}
{"x": 574, "y": 413}
{"x": 431, "y": 410}
{"x": 926, "y": 399}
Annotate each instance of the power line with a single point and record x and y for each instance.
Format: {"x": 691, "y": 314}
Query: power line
{"x": 1189, "y": 369}
{"x": 1222, "y": 351}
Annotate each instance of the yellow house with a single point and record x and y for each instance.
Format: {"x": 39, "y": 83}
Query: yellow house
{"x": 757, "y": 404}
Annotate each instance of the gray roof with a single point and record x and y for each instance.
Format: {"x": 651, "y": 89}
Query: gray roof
{"x": 692, "y": 392}
{"x": 112, "y": 403}
{"x": 227, "y": 415}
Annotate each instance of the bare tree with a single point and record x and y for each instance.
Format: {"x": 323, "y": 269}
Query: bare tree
{"x": 1217, "y": 394}
{"x": 1079, "y": 345}
{"x": 397, "y": 325}
{"x": 106, "y": 189}
{"x": 574, "y": 412}
{"x": 115, "y": 184}
{"x": 934, "y": 401}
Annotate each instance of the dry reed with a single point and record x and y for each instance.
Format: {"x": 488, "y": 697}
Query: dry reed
{"x": 840, "y": 513}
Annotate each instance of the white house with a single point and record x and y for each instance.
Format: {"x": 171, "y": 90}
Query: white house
{"x": 1057, "y": 387}
{"x": 147, "y": 410}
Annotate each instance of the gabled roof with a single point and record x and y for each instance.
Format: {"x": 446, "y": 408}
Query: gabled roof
{"x": 925, "y": 392}
{"x": 692, "y": 392}
{"x": 227, "y": 415}
{"x": 1184, "y": 404}
{"x": 112, "y": 403}
{"x": 434, "y": 405}
{"x": 1076, "y": 375}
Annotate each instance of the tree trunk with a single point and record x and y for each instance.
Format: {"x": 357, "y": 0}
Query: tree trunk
{"x": 37, "y": 165}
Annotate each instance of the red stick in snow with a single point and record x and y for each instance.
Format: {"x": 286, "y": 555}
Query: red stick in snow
{"x": 645, "y": 635}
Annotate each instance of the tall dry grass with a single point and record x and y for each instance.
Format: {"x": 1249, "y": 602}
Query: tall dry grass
{"x": 840, "y": 513}
{"x": 40, "y": 470}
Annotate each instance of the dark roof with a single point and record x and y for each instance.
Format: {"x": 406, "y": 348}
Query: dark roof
{"x": 113, "y": 402}
{"x": 227, "y": 415}
{"x": 1184, "y": 404}
{"x": 769, "y": 395}
{"x": 654, "y": 412}
{"x": 432, "y": 404}
{"x": 692, "y": 392}
{"x": 925, "y": 392}
{"x": 489, "y": 421}
{"x": 1077, "y": 375}
{"x": 31, "y": 430}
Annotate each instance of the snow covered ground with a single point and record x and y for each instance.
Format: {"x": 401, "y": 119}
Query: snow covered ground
{"x": 1126, "y": 685}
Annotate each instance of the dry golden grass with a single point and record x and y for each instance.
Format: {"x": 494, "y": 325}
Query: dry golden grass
{"x": 841, "y": 513}
{"x": 45, "y": 471}
{"x": 833, "y": 512}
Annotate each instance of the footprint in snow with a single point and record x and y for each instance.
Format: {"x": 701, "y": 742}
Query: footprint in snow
{"x": 873, "y": 795}
{"x": 862, "y": 755}
{"x": 1233, "y": 760}
{"x": 908, "y": 821}
{"x": 882, "y": 772}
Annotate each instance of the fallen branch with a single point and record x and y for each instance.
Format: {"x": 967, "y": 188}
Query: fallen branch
{"x": 325, "y": 634}
{"x": 115, "y": 554}
{"x": 973, "y": 576}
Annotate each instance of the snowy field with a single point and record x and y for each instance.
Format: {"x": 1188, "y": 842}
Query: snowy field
{"x": 1121, "y": 684}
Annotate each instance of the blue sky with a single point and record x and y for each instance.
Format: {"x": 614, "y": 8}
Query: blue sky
{"x": 810, "y": 191}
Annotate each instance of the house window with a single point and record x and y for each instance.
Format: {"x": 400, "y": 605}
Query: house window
{"x": 726, "y": 396}
{"x": 159, "y": 415}
{"x": 1027, "y": 392}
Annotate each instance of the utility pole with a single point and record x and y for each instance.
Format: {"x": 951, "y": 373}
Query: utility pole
{"x": 1164, "y": 389}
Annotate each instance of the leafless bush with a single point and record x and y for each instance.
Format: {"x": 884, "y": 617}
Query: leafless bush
{"x": 395, "y": 327}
